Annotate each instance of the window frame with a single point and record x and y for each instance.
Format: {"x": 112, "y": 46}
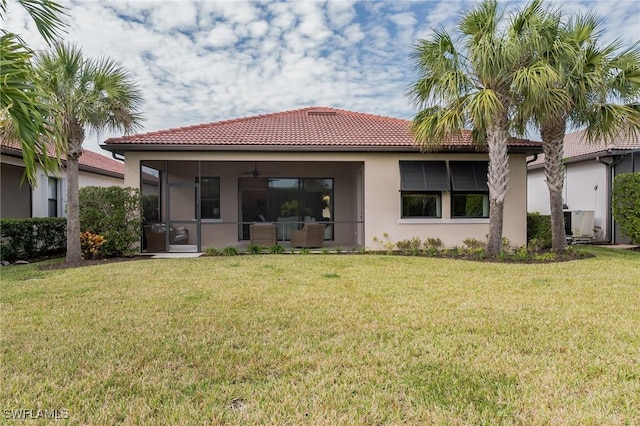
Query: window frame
{"x": 466, "y": 194}
{"x": 423, "y": 194}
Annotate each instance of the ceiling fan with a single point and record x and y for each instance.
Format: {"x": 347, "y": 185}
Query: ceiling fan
{"x": 255, "y": 172}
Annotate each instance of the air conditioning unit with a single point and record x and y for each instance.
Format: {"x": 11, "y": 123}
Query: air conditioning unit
{"x": 579, "y": 224}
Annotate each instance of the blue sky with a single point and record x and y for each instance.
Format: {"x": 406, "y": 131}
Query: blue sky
{"x": 204, "y": 61}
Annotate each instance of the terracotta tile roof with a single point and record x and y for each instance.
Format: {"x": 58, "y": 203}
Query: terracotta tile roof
{"x": 577, "y": 148}
{"x": 313, "y": 127}
{"x": 89, "y": 161}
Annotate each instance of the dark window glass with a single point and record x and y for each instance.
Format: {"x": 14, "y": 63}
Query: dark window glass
{"x": 52, "y": 197}
{"x": 421, "y": 205}
{"x": 470, "y": 205}
{"x": 210, "y": 197}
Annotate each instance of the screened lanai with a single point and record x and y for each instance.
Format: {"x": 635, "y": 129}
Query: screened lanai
{"x": 189, "y": 206}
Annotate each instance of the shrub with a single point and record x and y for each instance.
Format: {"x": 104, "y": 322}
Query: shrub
{"x": 387, "y": 244}
{"x": 32, "y": 237}
{"x": 212, "y": 251}
{"x": 114, "y": 213}
{"x": 521, "y": 254}
{"x": 254, "y": 249}
{"x": 409, "y": 245}
{"x": 90, "y": 245}
{"x": 539, "y": 228}
{"x": 626, "y": 204}
{"x": 430, "y": 243}
{"x": 276, "y": 249}
{"x": 473, "y": 243}
{"x": 230, "y": 251}
{"x": 305, "y": 250}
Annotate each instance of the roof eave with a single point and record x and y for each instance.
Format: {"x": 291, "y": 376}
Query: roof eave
{"x": 122, "y": 148}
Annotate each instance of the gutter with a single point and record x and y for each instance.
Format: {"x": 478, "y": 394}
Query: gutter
{"x": 119, "y": 149}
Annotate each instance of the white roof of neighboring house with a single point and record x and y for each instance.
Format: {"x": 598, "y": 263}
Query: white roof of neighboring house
{"x": 577, "y": 148}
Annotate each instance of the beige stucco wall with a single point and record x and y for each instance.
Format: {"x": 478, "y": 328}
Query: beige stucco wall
{"x": 375, "y": 199}
{"x": 382, "y": 204}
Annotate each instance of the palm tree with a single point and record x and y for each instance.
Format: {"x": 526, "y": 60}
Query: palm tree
{"x": 23, "y": 113}
{"x": 598, "y": 82}
{"x": 472, "y": 86}
{"x": 85, "y": 94}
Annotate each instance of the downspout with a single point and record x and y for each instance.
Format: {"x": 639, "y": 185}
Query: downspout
{"x": 535, "y": 157}
{"x": 610, "y": 175}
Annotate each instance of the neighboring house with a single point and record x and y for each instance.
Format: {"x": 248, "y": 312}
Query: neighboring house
{"x": 18, "y": 199}
{"x": 359, "y": 174}
{"x": 590, "y": 170}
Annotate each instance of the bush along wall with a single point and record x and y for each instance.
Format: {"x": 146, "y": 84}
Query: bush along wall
{"x": 539, "y": 230}
{"x": 626, "y": 204}
{"x": 32, "y": 237}
{"x": 114, "y": 213}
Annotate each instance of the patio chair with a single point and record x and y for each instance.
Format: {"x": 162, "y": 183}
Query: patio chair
{"x": 311, "y": 235}
{"x": 262, "y": 234}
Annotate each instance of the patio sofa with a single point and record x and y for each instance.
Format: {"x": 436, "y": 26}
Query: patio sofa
{"x": 155, "y": 236}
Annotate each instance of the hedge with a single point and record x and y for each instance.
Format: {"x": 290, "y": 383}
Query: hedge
{"x": 539, "y": 230}
{"x": 626, "y": 204}
{"x": 115, "y": 213}
{"x": 32, "y": 237}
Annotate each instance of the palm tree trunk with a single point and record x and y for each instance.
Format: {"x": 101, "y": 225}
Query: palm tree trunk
{"x": 74, "y": 254}
{"x": 552, "y": 146}
{"x": 497, "y": 180}
{"x": 74, "y": 151}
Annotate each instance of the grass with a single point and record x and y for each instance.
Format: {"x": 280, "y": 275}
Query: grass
{"x": 291, "y": 339}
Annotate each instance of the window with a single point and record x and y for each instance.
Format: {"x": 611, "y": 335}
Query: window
{"x": 469, "y": 193}
{"x": 209, "y": 197}
{"x": 52, "y": 197}
{"x": 422, "y": 183}
{"x": 421, "y": 204}
{"x": 470, "y": 205}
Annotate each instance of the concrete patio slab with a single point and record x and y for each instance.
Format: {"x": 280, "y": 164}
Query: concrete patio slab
{"x": 175, "y": 255}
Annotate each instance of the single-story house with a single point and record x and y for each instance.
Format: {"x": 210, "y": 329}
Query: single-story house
{"x": 360, "y": 175}
{"x": 590, "y": 170}
{"x": 47, "y": 198}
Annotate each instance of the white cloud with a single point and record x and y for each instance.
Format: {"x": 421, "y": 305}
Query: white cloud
{"x": 221, "y": 35}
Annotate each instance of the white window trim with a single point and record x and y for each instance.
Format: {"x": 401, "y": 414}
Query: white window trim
{"x": 434, "y": 221}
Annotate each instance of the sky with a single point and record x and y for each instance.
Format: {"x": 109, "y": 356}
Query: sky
{"x": 208, "y": 60}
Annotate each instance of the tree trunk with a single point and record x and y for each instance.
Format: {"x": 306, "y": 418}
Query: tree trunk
{"x": 74, "y": 151}
{"x": 497, "y": 180}
{"x": 552, "y": 146}
{"x": 74, "y": 254}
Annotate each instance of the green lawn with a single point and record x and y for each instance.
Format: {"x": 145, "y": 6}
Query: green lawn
{"x": 325, "y": 339}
